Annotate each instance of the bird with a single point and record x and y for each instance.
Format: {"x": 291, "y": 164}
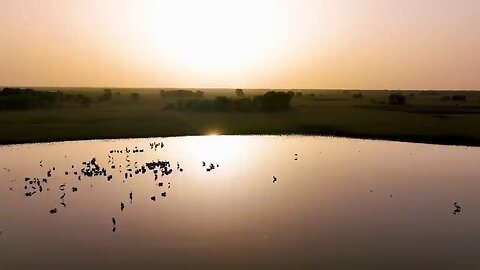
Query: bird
{"x": 114, "y": 221}
{"x": 122, "y": 206}
{"x": 131, "y": 197}
{"x": 53, "y": 211}
{"x": 458, "y": 208}
{"x": 153, "y": 198}
{"x": 274, "y": 179}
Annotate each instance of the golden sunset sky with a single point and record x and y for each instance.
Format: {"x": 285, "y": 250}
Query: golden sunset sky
{"x": 368, "y": 44}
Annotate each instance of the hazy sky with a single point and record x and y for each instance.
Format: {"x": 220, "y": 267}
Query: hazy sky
{"x": 422, "y": 44}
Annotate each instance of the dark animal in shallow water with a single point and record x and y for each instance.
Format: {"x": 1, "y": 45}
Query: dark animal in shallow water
{"x": 274, "y": 179}
{"x": 53, "y": 211}
{"x": 153, "y": 198}
{"x": 114, "y": 221}
{"x": 131, "y": 197}
{"x": 122, "y": 206}
{"x": 74, "y": 189}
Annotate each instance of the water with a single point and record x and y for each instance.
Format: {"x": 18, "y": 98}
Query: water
{"x": 343, "y": 204}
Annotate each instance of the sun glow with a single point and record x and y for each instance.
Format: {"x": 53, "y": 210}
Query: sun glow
{"x": 213, "y": 36}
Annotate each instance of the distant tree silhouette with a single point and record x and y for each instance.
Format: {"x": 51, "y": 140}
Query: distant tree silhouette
{"x": 459, "y": 98}
{"x": 239, "y": 93}
{"x": 275, "y": 101}
{"x": 445, "y": 98}
{"x": 180, "y": 94}
{"x": 222, "y": 104}
{"x": 107, "y": 95}
{"x": 135, "y": 96}
{"x": 357, "y": 95}
{"x": 396, "y": 99}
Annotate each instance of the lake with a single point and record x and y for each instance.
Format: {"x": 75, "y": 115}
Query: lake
{"x": 335, "y": 204}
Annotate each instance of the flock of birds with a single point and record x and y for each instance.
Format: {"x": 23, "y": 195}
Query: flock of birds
{"x": 92, "y": 168}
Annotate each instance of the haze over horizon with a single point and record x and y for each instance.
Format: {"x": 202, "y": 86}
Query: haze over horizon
{"x": 323, "y": 44}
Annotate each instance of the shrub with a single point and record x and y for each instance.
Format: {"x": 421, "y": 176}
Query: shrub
{"x": 445, "y": 98}
{"x": 135, "y": 96}
{"x": 239, "y": 93}
{"x": 459, "y": 98}
{"x": 275, "y": 101}
{"x": 396, "y": 99}
{"x": 222, "y": 104}
{"x": 357, "y": 95}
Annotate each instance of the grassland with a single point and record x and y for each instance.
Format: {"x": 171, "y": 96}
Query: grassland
{"x": 425, "y": 118}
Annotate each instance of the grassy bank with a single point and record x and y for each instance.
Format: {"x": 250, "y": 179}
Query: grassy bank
{"x": 425, "y": 118}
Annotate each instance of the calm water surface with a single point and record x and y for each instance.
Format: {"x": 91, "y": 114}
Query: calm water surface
{"x": 337, "y": 204}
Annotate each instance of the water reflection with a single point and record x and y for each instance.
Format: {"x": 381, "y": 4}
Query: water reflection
{"x": 239, "y": 202}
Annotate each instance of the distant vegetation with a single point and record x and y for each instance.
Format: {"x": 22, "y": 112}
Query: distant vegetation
{"x": 239, "y": 93}
{"x": 396, "y": 99}
{"x": 49, "y": 114}
{"x": 135, "y": 96}
{"x": 25, "y": 99}
{"x": 271, "y": 102}
{"x": 181, "y": 94}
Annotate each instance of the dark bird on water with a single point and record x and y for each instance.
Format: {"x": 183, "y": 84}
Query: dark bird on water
{"x": 458, "y": 208}
{"x": 53, "y": 211}
{"x": 274, "y": 179}
{"x": 153, "y": 198}
{"x": 114, "y": 221}
{"x": 122, "y": 206}
{"x": 131, "y": 197}
{"x": 74, "y": 189}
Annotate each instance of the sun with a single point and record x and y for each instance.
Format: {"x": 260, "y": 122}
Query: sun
{"x": 213, "y": 36}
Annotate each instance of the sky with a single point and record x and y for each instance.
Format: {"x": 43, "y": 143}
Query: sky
{"x": 319, "y": 44}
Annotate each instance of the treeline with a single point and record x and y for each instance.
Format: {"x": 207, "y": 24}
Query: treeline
{"x": 271, "y": 102}
{"x": 181, "y": 94}
{"x": 25, "y": 99}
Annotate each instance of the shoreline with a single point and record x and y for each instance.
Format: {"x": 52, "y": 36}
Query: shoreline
{"x": 445, "y": 140}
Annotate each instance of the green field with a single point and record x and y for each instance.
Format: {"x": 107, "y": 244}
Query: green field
{"x": 424, "y": 118}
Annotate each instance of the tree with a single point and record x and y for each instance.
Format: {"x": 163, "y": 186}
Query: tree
{"x": 222, "y": 104}
{"x": 239, "y": 93}
{"x": 459, "y": 98}
{"x": 107, "y": 95}
{"x": 275, "y": 101}
{"x": 357, "y": 95}
{"x": 135, "y": 96}
{"x": 396, "y": 99}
